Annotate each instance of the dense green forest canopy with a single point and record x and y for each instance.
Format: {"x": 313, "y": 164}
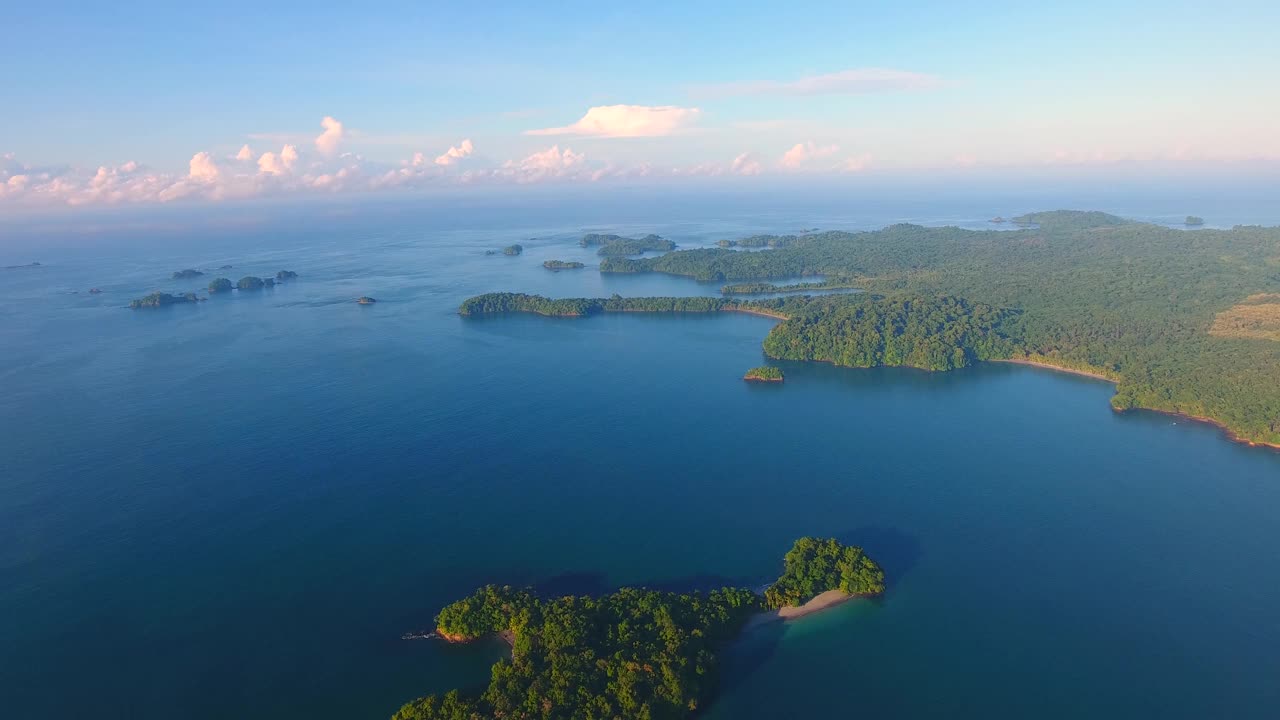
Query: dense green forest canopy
{"x": 767, "y": 288}
{"x": 633, "y": 654}
{"x": 1128, "y": 300}
{"x": 220, "y": 285}
{"x": 814, "y": 566}
{"x": 930, "y": 333}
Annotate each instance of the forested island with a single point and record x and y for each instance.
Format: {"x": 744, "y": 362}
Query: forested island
{"x": 1091, "y": 292}
{"x": 562, "y": 265}
{"x": 616, "y": 245}
{"x": 161, "y": 299}
{"x": 1193, "y": 221}
{"x": 764, "y": 373}
{"x": 221, "y": 285}
{"x": 635, "y": 654}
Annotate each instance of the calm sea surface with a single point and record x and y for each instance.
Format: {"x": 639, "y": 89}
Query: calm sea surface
{"x": 234, "y": 509}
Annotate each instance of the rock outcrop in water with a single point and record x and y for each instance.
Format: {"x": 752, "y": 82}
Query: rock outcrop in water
{"x": 249, "y": 282}
{"x": 365, "y": 300}
{"x": 187, "y": 274}
{"x": 221, "y": 285}
{"x": 286, "y": 275}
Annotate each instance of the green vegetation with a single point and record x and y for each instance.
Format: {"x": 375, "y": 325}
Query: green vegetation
{"x": 1193, "y": 220}
{"x": 160, "y": 299}
{"x": 513, "y": 249}
{"x": 250, "y": 282}
{"x": 1131, "y": 301}
{"x": 764, "y": 373}
{"x": 634, "y": 654}
{"x": 283, "y": 275}
{"x": 562, "y": 265}
{"x": 814, "y": 566}
{"x": 220, "y": 285}
{"x": 941, "y": 333}
{"x": 187, "y": 274}
{"x": 761, "y": 241}
{"x": 636, "y": 247}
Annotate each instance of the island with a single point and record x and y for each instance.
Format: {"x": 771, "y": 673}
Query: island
{"x": 226, "y": 267}
{"x": 220, "y": 285}
{"x": 764, "y": 373}
{"x": 1093, "y": 293}
{"x": 161, "y": 299}
{"x": 95, "y": 291}
{"x": 187, "y": 274}
{"x": 283, "y": 275}
{"x": 250, "y": 282}
{"x": 365, "y": 300}
{"x": 513, "y": 249}
{"x": 22, "y": 267}
{"x": 1193, "y": 221}
{"x": 558, "y": 265}
{"x": 636, "y": 653}
{"x": 997, "y": 220}
{"x": 617, "y": 245}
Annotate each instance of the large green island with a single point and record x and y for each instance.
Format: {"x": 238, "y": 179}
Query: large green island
{"x": 1184, "y": 323}
{"x": 633, "y": 654}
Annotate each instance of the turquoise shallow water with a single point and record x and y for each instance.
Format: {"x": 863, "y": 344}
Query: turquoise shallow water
{"x": 235, "y": 509}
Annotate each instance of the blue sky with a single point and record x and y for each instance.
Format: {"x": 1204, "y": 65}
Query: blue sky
{"x": 140, "y": 89}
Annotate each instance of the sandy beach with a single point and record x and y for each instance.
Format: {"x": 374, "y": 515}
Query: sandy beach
{"x": 821, "y": 602}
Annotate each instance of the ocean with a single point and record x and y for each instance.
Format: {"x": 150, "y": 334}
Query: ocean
{"x": 236, "y": 508}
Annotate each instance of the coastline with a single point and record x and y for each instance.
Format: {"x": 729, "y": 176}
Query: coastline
{"x": 1050, "y": 366}
{"x": 751, "y": 311}
{"x": 1227, "y": 432}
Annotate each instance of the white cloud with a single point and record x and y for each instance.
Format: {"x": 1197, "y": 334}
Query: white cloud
{"x": 272, "y": 164}
{"x": 245, "y": 153}
{"x": 746, "y": 164}
{"x": 857, "y": 163}
{"x": 855, "y": 81}
{"x": 453, "y": 154}
{"x": 202, "y": 168}
{"x": 802, "y": 154}
{"x": 327, "y": 142}
{"x": 617, "y": 121}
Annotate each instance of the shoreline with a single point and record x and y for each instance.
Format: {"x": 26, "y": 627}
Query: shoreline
{"x": 821, "y": 601}
{"x": 1227, "y": 432}
{"x": 1058, "y": 368}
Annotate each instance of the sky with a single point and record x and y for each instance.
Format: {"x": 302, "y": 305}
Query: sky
{"x": 147, "y": 102}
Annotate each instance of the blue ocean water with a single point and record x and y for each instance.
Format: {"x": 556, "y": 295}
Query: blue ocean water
{"x": 235, "y": 509}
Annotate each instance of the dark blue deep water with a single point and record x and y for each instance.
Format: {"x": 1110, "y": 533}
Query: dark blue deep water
{"x": 234, "y": 509}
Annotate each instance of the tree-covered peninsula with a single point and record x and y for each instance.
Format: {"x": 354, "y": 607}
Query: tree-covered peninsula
{"x": 634, "y": 654}
{"x": 1134, "y": 302}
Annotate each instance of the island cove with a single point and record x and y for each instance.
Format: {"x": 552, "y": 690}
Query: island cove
{"x": 634, "y": 653}
{"x": 1135, "y": 303}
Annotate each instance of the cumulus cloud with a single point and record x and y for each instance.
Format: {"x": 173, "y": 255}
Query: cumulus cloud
{"x": 329, "y": 140}
{"x": 245, "y": 153}
{"x": 619, "y": 121}
{"x": 746, "y": 164}
{"x": 202, "y": 167}
{"x": 855, "y": 81}
{"x": 801, "y": 154}
{"x": 453, "y": 154}
{"x": 272, "y": 164}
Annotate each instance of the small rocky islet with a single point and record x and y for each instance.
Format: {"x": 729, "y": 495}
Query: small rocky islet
{"x": 219, "y": 285}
